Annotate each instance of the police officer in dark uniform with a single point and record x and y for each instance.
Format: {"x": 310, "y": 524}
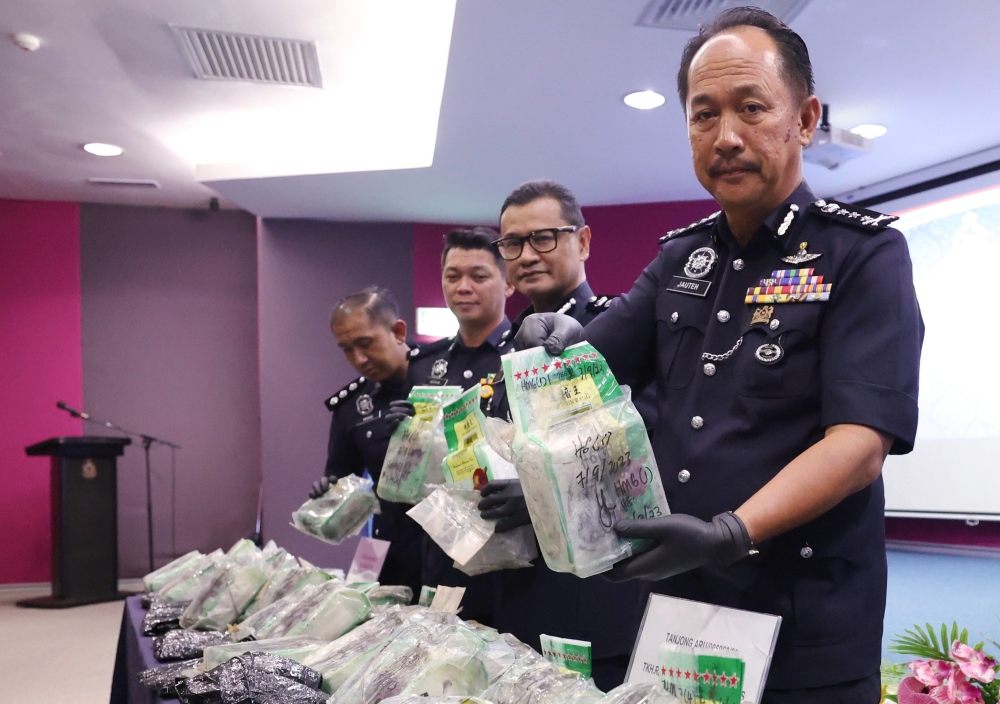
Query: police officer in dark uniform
{"x": 783, "y": 335}
{"x": 475, "y": 286}
{"x": 546, "y": 242}
{"x": 369, "y": 331}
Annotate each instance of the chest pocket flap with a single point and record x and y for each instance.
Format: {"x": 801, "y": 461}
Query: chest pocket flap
{"x": 790, "y": 333}
{"x": 681, "y": 321}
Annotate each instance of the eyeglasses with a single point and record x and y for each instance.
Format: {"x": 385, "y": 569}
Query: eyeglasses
{"x": 541, "y": 241}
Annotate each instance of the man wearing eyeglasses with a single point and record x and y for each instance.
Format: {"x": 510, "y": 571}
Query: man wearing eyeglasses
{"x": 545, "y": 243}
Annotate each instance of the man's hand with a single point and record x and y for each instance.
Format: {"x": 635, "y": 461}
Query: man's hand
{"x": 683, "y": 543}
{"x": 398, "y": 411}
{"x": 554, "y": 331}
{"x": 319, "y": 488}
{"x": 503, "y": 499}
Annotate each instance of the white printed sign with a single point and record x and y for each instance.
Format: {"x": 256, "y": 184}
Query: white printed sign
{"x": 692, "y": 624}
{"x": 368, "y": 560}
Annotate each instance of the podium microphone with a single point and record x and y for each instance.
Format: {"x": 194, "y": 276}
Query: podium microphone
{"x": 72, "y": 411}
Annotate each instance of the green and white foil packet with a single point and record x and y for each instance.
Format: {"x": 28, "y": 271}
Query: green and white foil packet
{"x": 339, "y": 513}
{"x": 583, "y": 457}
{"x": 413, "y": 460}
{"x": 470, "y": 462}
{"x": 568, "y": 654}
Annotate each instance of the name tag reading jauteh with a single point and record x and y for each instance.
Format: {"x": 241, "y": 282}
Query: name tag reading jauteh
{"x": 692, "y": 287}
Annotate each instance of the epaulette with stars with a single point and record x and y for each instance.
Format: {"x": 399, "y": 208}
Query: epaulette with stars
{"x": 338, "y": 398}
{"x": 419, "y": 351}
{"x": 693, "y": 227}
{"x": 599, "y": 304}
{"x": 852, "y": 215}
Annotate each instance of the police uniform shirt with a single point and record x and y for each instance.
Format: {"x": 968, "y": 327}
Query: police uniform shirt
{"x": 537, "y": 600}
{"x": 749, "y": 372}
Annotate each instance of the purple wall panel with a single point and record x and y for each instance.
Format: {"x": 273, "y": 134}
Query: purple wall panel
{"x": 304, "y": 268}
{"x": 170, "y": 349}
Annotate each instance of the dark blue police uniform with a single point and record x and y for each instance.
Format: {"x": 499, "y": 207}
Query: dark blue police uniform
{"x": 537, "y": 600}
{"x": 749, "y": 373}
{"x": 358, "y": 441}
{"x": 450, "y": 362}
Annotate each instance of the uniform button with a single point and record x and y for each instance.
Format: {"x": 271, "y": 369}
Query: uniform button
{"x": 683, "y": 476}
{"x": 467, "y": 373}
{"x": 368, "y": 434}
{"x": 738, "y": 264}
{"x": 723, "y": 316}
{"x": 697, "y": 422}
{"x": 774, "y": 324}
{"x": 709, "y": 371}
{"x": 806, "y": 552}
{"x": 674, "y": 317}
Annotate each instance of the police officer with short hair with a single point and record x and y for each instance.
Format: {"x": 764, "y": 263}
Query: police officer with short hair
{"x": 373, "y": 338}
{"x": 783, "y": 335}
{"x": 546, "y": 242}
{"x": 475, "y": 287}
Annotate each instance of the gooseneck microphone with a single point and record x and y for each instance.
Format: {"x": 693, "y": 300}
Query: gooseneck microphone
{"x": 72, "y": 411}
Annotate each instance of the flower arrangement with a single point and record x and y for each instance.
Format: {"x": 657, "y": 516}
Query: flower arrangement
{"x": 945, "y": 674}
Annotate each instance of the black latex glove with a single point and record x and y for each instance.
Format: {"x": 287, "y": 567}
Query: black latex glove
{"x": 398, "y": 411}
{"x": 503, "y": 499}
{"x": 683, "y": 543}
{"x": 554, "y": 331}
{"x": 319, "y": 488}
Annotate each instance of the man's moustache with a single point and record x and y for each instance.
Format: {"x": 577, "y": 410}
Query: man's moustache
{"x": 726, "y": 167}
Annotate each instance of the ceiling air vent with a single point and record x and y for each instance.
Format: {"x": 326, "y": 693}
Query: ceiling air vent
{"x": 227, "y": 56}
{"x": 689, "y": 14}
{"x": 134, "y": 182}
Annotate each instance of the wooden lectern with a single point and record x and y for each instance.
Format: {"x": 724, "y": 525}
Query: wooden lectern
{"x": 84, "y": 494}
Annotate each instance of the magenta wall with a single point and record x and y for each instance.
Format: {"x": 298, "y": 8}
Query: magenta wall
{"x": 41, "y": 363}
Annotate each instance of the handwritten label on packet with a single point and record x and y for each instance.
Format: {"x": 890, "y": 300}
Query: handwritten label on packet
{"x": 368, "y": 560}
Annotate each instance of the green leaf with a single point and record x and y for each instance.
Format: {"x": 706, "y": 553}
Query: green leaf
{"x": 933, "y": 637}
{"x": 979, "y": 646}
{"x": 954, "y": 633}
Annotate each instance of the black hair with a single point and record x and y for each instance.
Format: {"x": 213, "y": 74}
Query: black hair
{"x": 543, "y": 188}
{"x": 377, "y": 302}
{"x": 796, "y": 67}
{"x": 474, "y": 238}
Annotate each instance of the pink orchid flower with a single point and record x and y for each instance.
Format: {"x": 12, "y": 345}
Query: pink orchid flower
{"x": 974, "y": 663}
{"x": 911, "y": 691}
{"x": 932, "y": 673}
{"x": 956, "y": 690}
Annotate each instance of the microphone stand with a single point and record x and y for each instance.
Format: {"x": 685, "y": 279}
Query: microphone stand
{"x": 147, "y": 442}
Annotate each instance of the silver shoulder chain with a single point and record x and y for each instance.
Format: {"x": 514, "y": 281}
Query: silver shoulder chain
{"x": 709, "y": 357}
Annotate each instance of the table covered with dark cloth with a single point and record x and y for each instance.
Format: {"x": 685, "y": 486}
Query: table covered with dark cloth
{"x": 135, "y": 654}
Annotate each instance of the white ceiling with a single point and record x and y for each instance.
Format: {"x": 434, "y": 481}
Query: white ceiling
{"x": 533, "y": 89}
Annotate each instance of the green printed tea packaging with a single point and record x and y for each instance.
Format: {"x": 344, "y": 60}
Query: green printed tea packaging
{"x": 583, "y": 457}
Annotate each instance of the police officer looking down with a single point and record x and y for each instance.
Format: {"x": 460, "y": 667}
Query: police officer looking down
{"x": 784, "y": 339}
{"x": 475, "y": 287}
{"x": 373, "y": 338}
{"x": 546, "y": 242}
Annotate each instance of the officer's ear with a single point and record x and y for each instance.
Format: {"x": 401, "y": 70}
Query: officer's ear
{"x": 809, "y": 114}
{"x": 584, "y": 235}
{"x": 508, "y": 288}
{"x": 399, "y": 331}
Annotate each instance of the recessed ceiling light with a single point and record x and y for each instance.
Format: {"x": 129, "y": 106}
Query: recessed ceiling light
{"x": 101, "y": 149}
{"x": 644, "y": 100}
{"x": 869, "y": 131}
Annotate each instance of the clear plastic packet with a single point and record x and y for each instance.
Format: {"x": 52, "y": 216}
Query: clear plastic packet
{"x": 281, "y": 583}
{"x": 389, "y": 595}
{"x": 328, "y": 614}
{"x": 640, "y": 693}
{"x": 511, "y": 550}
{"x": 188, "y": 583}
{"x": 261, "y": 622}
{"x": 470, "y": 462}
{"x": 413, "y": 460}
{"x": 534, "y": 680}
{"x": 338, "y": 660}
{"x": 157, "y": 578}
{"x": 163, "y": 615}
{"x": 296, "y": 648}
{"x": 223, "y": 600}
{"x": 583, "y": 457}
{"x": 422, "y": 699}
{"x": 184, "y": 644}
{"x": 339, "y": 513}
{"x": 423, "y": 656}
{"x": 242, "y": 548}
{"x": 451, "y": 518}
{"x": 163, "y": 679}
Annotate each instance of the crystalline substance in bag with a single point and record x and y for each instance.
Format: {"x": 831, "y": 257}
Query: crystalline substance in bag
{"x": 388, "y": 594}
{"x": 640, "y": 693}
{"x": 296, "y": 648}
{"x": 189, "y": 583}
{"x": 283, "y": 582}
{"x": 339, "y": 513}
{"x": 157, "y": 578}
{"x": 413, "y": 460}
{"x": 451, "y": 518}
{"x": 512, "y": 550}
{"x": 583, "y": 457}
{"x": 334, "y": 615}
